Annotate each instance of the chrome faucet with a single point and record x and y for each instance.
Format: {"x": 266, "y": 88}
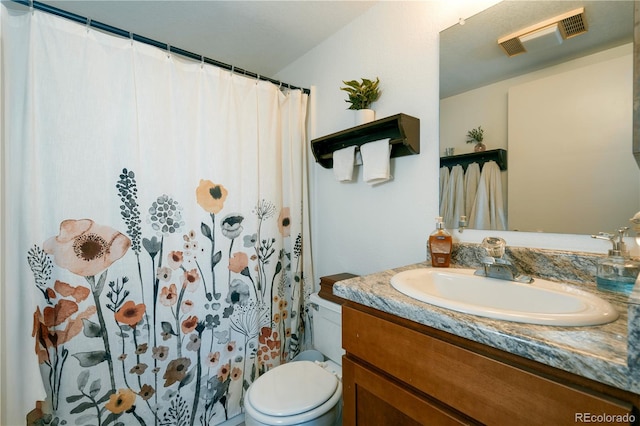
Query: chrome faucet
{"x": 495, "y": 266}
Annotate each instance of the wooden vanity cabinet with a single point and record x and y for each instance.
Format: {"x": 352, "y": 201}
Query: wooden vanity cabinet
{"x": 398, "y": 372}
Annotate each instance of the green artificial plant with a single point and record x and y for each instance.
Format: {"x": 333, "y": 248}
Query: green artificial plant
{"x": 475, "y": 135}
{"x": 363, "y": 93}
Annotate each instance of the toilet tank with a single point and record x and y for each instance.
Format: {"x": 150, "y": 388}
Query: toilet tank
{"x": 327, "y": 328}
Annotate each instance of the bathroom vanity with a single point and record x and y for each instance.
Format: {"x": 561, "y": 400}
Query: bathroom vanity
{"x": 407, "y": 373}
{"x": 411, "y": 363}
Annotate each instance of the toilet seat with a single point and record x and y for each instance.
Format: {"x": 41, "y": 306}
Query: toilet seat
{"x": 293, "y": 393}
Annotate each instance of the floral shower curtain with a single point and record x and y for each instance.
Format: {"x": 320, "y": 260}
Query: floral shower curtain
{"x": 156, "y": 252}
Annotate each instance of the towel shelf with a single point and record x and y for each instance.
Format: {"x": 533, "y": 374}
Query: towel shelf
{"x": 497, "y": 155}
{"x": 402, "y": 130}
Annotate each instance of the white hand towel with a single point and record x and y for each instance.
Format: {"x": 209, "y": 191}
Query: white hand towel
{"x": 456, "y": 200}
{"x": 488, "y": 210}
{"x": 343, "y": 160}
{"x": 444, "y": 184}
{"x": 471, "y": 181}
{"x": 375, "y": 161}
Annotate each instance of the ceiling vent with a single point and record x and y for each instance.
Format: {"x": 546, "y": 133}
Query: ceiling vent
{"x": 543, "y": 34}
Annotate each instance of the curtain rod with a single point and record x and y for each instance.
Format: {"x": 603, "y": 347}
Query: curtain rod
{"x": 122, "y": 33}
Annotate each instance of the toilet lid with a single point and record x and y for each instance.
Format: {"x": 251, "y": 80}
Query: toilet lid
{"x": 292, "y": 388}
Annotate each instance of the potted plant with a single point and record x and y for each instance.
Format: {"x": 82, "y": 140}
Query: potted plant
{"x": 476, "y": 136}
{"x": 361, "y": 95}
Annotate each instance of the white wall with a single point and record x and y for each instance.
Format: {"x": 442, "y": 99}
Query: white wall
{"x": 582, "y": 140}
{"x": 486, "y": 107}
{"x": 362, "y": 229}
{"x": 357, "y": 228}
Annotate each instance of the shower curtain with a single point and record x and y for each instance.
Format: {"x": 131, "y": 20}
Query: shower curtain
{"x": 156, "y": 255}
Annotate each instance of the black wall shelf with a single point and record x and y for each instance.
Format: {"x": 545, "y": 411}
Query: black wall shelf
{"x": 497, "y": 155}
{"x": 402, "y": 130}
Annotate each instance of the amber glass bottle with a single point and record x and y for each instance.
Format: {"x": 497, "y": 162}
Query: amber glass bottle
{"x": 440, "y": 245}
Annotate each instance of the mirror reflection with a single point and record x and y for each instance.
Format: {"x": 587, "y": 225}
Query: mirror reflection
{"x": 560, "y": 113}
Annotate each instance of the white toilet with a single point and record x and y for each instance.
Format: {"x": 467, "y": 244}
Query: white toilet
{"x": 307, "y": 390}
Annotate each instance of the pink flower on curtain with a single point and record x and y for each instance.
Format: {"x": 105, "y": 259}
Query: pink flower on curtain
{"x": 213, "y": 358}
{"x": 238, "y": 261}
{"x": 86, "y": 248}
{"x": 190, "y": 280}
{"x": 175, "y": 259}
{"x": 169, "y": 295}
{"x": 236, "y": 373}
{"x": 223, "y": 372}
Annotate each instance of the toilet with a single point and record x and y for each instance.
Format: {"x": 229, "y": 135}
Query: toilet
{"x": 307, "y": 390}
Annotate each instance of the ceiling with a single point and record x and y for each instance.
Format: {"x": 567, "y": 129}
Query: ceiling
{"x": 470, "y": 56}
{"x": 262, "y": 37}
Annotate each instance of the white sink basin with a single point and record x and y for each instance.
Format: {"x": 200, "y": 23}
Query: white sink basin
{"x": 542, "y": 302}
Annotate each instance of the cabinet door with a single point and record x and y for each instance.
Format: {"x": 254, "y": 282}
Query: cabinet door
{"x": 483, "y": 388}
{"x": 371, "y": 399}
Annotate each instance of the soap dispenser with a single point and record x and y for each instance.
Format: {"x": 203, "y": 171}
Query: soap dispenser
{"x": 440, "y": 245}
{"x": 617, "y": 272}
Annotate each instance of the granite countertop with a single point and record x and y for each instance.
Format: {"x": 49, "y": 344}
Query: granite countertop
{"x": 607, "y": 353}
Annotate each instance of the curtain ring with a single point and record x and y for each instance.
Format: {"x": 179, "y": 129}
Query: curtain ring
{"x": 131, "y": 37}
{"x": 168, "y": 50}
{"x": 88, "y": 24}
{"x": 202, "y": 62}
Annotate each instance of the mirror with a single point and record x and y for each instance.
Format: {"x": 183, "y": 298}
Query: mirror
{"x": 562, "y": 111}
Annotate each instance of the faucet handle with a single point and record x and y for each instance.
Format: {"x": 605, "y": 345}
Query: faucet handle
{"x": 604, "y": 236}
{"x": 486, "y": 260}
{"x": 619, "y": 247}
{"x": 494, "y": 247}
{"x": 494, "y": 265}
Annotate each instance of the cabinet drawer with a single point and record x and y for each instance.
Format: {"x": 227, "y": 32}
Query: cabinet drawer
{"x": 371, "y": 398}
{"x": 483, "y": 388}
